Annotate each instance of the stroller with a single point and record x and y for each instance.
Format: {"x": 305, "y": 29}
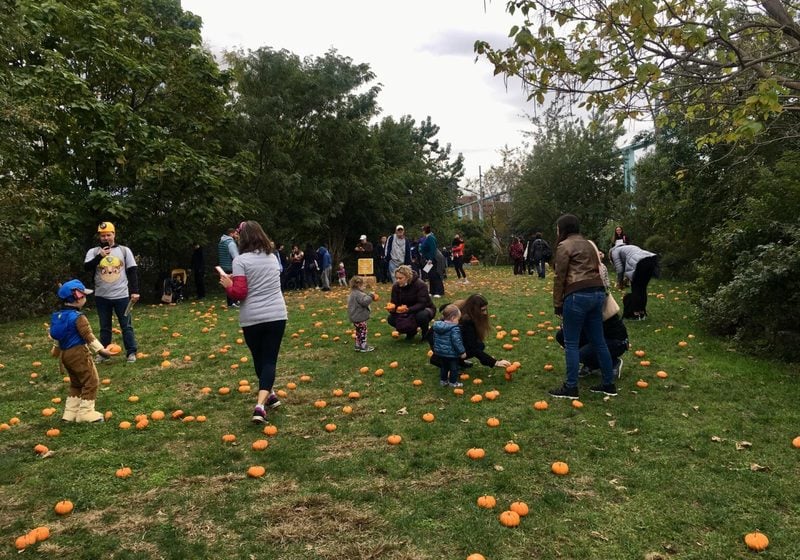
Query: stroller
{"x": 173, "y": 287}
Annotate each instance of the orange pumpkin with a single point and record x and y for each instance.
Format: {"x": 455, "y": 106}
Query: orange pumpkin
{"x": 476, "y": 453}
{"x": 560, "y": 468}
{"x": 662, "y": 374}
{"x": 176, "y": 414}
{"x": 428, "y": 417}
{"x": 256, "y": 471}
{"x": 511, "y": 447}
{"x": 270, "y": 430}
{"x": 577, "y": 404}
{"x": 124, "y": 472}
{"x": 476, "y": 398}
{"x": 354, "y": 395}
{"x": 41, "y": 533}
{"x": 320, "y": 404}
{"x": 417, "y": 382}
{"x": 394, "y": 439}
{"x": 393, "y": 364}
{"x": 796, "y": 442}
{"x": 260, "y": 445}
{"x": 330, "y": 427}
{"x": 476, "y": 556}
{"x": 124, "y": 425}
{"x": 756, "y": 541}
{"x": 540, "y": 405}
{"x": 53, "y": 432}
{"x": 486, "y": 502}
{"x": 642, "y": 384}
{"x": 548, "y": 367}
{"x": 520, "y": 508}
{"x": 157, "y": 415}
{"x": 64, "y": 507}
{"x": 509, "y": 518}
{"x": 41, "y": 449}
{"x": 493, "y": 422}
{"x": 229, "y": 438}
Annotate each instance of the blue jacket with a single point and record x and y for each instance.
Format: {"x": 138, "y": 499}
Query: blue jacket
{"x": 63, "y": 329}
{"x": 447, "y": 340}
{"x": 324, "y": 258}
{"x": 428, "y": 247}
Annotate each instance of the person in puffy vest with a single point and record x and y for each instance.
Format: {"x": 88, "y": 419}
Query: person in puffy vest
{"x": 448, "y": 346}
{"x": 227, "y": 250}
{"x": 74, "y": 343}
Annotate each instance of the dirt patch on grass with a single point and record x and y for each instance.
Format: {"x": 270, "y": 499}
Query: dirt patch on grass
{"x": 346, "y": 447}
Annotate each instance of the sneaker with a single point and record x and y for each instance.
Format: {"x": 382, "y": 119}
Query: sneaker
{"x": 259, "y": 415}
{"x": 101, "y": 359}
{"x": 564, "y": 392}
{"x": 234, "y": 305}
{"x": 131, "y": 358}
{"x": 456, "y": 384}
{"x": 366, "y": 349}
{"x": 465, "y": 364}
{"x": 443, "y": 383}
{"x": 272, "y": 401}
{"x": 618, "y": 369}
{"x": 437, "y": 296}
{"x": 610, "y": 389}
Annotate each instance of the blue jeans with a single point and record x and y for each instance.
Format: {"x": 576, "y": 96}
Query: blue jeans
{"x": 105, "y": 307}
{"x": 538, "y": 265}
{"x": 583, "y": 310}
{"x": 449, "y": 369}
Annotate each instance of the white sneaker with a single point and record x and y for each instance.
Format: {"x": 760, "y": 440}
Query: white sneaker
{"x": 436, "y": 296}
{"x": 131, "y": 358}
{"x": 101, "y": 359}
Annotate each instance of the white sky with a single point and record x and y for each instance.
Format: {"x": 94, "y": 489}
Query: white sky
{"x": 420, "y": 50}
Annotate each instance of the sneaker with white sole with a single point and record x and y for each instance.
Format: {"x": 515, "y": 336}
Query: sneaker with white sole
{"x": 564, "y": 392}
{"x": 259, "y": 415}
{"x": 443, "y": 383}
{"x": 131, "y": 358}
{"x": 456, "y": 384}
{"x": 272, "y": 401}
{"x": 609, "y": 389}
{"x": 366, "y": 348}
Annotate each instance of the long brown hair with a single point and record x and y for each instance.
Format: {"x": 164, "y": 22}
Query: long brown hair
{"x": 471, "y": 308}
{"x": 252, "y": 238}
{"x": 567, "y": 225}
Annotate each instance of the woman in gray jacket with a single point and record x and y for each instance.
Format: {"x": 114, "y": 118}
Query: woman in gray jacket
{"x": 638, "y": 266}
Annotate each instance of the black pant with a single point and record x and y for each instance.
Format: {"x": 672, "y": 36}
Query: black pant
{"x": 422, "y": 317}
{"x": 436, "y": 283}
{"x": 199, "y": 283}
{"x": 264, "y": 342}
{"x": 645, "y": 270}
{"x": 458, "y": 264}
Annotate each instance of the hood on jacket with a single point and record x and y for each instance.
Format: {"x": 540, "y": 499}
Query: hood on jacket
{"x": 442, "y": 327}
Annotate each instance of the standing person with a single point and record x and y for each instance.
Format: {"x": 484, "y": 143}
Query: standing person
{"x": 310, "y": 267}
{"x": 619, "y": 237}
{"x": 638, "y": 266}
{"x": 256, "y": 283}
{"x": 358, "y": 312}
{"x": 411, "y": 306}
{"x": 341, "y": 273}
{"x": 116, "y": 284}
{"x": 429, "y": 251}
{"x": 457, "y": 251}
{"x": 539, "y": 253}
{"x": 364, "y": 248}
{"x": 74, "y": 344}
{"x": 616, "y": 336}
{"x": 326, "y": 264}
{"x": 381, "y": 266}
{"x": 199, "y": 271}
{"x": 398, "y": 251}
{"x": 226, "y": 252}
{"x": 448, "y": 346}
{"x": 294, "y": 277}
{"x": 517, "y": 253}
{"x": 578, "y": 298}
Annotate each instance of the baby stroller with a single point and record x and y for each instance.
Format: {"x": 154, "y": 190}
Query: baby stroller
{"x": 172, "y": 291}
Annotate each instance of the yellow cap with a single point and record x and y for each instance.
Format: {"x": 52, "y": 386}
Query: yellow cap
{"x": 106, "y": 227}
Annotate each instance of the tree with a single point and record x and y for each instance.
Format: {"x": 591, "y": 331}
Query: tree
{"x": 733, "y": 64}
{"x": 572, "y": 168}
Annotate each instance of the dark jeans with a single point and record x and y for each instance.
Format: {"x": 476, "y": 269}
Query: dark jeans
{"x": 199, "y": 283}
{"x": 264, "y": 342}
{"x": 615, "y": 347}
{"x": 436, "y": 283}
{"x": 449, "y": 369}
{"x": 644, "y": 272}
{"x": 539, "y": 266}
{"x": 422, "y": 317}
{"x": 458, "y": 264}
{"x": 519, "y": 266}
{"x": 584, "y": 310}
{"x": 105, "y": 307}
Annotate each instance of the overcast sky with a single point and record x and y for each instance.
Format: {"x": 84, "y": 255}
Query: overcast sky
{"x": 420, "y": 50}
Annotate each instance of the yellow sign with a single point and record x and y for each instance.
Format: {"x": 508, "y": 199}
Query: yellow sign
{"x": 365, "y": 267}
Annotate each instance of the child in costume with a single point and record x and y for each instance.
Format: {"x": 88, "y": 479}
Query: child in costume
{"x": 70, "y": 330}
{"x": 358, "y": 312}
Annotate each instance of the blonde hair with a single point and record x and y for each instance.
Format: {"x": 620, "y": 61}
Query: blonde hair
{"x": 356, "y": 283}
{"x": 451, "y": 312}
{"x": 405, "y": 270}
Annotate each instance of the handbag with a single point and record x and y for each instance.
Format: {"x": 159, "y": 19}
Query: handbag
{"x": 610, "y": 307}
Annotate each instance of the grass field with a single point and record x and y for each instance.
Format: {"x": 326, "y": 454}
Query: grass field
{"x": 681, "y": 469}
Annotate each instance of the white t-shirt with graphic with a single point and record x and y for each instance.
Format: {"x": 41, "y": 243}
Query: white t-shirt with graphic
{"x": 110, "y": 276}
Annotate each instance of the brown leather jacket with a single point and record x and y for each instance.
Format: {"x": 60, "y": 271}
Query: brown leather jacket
{"x": 576, "y": 267}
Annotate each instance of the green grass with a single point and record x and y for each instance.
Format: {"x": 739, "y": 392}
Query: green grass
{"x": 655, "y": 471}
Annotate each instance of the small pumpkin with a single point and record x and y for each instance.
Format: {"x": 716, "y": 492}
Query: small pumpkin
{"x": 661, "y": 374}
{"x": 493, "y": 422}
{"x": 124, "y": 425}
{"x": 756, "y": 541}
{"x": 796, "y": 442}
{"x": 347, "y": 409}
{"x": 577, "y": 404}
{"x": 540, "y": 405}
{"x": 511, "y": 447}
{"x": 320, "y": 404}
{"x": 256, "y": 471}
{"x": 353, "y": 395}
{"x": 476, "y": 556}
{"x": 41, "y": 533}
{"x": 476, "y": 453}
{"x": 330, "y": 427}
{"x": 394, "y": 439}
{"x": 520, "y": 508}
{"x": 64, "y": 507}
{"x": 53, "y": 432}
{"x": 476, "y": 398}
{"x": 260, "y": 445}
{"x": 417, "y": 382}
{"x": 157, "y": 415}
{"x": 228, "y": 438}
{"x": 124, "y": 472}
{"x": 642, "y": 384}
{"x": 270, "y": 430}
{"x": 509, "y": 518}
{"x": 560, "y": 468}
{"x": 113, "y": 349}
{"x": 486, "y": 502}
{"x": 428, "y": 417}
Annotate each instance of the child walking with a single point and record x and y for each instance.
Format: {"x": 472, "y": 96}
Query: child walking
{"x": 448, "y": 346}
{"x": 358, "y": 311}
{"x": 342, "y": 274}
{"x": 73, "y": 337}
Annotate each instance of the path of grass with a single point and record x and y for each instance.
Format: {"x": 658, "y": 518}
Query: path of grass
{"x": 681, "y": 469}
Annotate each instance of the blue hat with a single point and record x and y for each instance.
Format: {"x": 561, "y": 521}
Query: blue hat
{"x": 69, "y": 291}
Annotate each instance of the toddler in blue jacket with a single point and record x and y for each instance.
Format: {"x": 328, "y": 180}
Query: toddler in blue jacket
{"x": 447, "y": 344}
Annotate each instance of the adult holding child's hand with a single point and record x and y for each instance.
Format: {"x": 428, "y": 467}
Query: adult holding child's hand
{"x": 413, "y": 307}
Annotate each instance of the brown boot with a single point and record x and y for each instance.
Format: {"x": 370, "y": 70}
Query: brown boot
{"x": 71, "y": 409}
{"x": 87, "y": 413}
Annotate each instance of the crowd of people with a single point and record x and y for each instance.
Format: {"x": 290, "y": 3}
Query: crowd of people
{"x": 254, "y": 272}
